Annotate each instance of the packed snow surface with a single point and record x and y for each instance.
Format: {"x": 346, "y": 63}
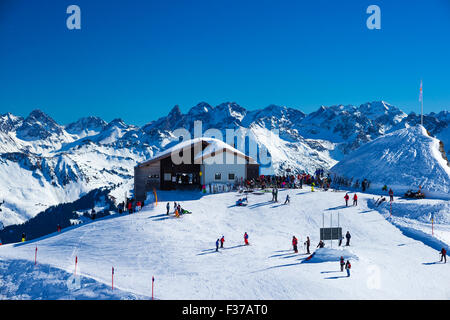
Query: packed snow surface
{"x": 180, "y": 253}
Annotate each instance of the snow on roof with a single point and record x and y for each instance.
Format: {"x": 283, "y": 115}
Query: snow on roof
{"x": 213, "y": 145}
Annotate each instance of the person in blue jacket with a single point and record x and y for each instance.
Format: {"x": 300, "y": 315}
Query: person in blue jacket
{"x": 217, "y": 245}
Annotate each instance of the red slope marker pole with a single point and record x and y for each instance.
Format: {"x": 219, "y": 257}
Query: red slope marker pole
{"x": 76, "y": 261}
{"x": 153, "y": 281}
{"x": 432, "y": 226}
{"x": 112, "y": 279}
{"x": 35, "y": 256}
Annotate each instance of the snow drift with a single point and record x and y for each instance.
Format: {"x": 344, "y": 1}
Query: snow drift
{"x": 404, "y": 159}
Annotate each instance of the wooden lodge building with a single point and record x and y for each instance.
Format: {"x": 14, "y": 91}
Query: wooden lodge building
{"x": 209, "y": 161}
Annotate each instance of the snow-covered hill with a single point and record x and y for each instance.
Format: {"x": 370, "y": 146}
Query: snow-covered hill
{"x": 43, "y": 163}
{"x": 404, "y": 159}
{"x": 180, "y": 253}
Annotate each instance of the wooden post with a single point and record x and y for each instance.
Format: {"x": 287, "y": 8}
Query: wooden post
{"x": 153, "y": 281}
{"x": 35, "y": 256}
{"x": 76, "y": 262}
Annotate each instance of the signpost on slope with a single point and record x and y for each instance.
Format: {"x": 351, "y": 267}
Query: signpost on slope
{"x": 112, "y": 279}
{"x": 35, "y": 256}
{"x": 332, "y": 233}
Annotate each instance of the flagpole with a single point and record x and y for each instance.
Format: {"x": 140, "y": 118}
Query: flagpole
{"x": 421, "y": 104}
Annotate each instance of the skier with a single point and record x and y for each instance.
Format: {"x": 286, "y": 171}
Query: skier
{"x": 139, "y": 206}
{"x": 217, "y": 245}
{"x": 391, "y": 194}
{"x": 321, "y": 244}
{"x": 288, "y": 200}
{"x": 348, "y": 236}
{"x": 347, "y": 267}
{"x": 340, "y": 239}
{"x": 355, "y": 200}
{"x": 222, "y": 240}
{"x": 23, "y": 237}
{"x": 246, "y": 238}
{"x": 120, "y": 206}
{"x": 93, "y": 214}
{"x": 312, "y": 186}
{"x": 276, "y": 194}
{"x": 444, "y": 255}
{"x": 130, "y": 207}
{"x": 294, "y": 244}
{"x": 307, "y": 243}
{"x": 58, "y": 228}
{"x": 168, "y": 208}
{"x": 273, "y": 194}
{"x": 342, "y": 263}
{"x": 346, "y": 197}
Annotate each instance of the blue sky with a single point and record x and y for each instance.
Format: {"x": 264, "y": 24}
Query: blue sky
{"x": 135, "y": 60}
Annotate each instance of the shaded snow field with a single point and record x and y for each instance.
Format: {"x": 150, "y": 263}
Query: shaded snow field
{"x": 413, "y": 217}
{"x": 180, "y": 253}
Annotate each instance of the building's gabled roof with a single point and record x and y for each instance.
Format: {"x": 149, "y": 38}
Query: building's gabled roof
{"x": 213, "y": 147}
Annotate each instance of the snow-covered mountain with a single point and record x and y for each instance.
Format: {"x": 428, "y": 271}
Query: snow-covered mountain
{"x": 43, "y": 163}
{"x": 404, "y": 159}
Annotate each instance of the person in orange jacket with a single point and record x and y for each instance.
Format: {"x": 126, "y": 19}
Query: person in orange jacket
{"x": 294, "y": 244}
{"x": 355, "y": 200}
{"x": 346, "y": 197}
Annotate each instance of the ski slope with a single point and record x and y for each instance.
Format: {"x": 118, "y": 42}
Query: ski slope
{"x": 180, "y": 253}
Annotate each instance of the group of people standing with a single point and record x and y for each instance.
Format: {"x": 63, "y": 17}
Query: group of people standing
{"x": 355, "y": 199}
{"x": 221, "y": 240}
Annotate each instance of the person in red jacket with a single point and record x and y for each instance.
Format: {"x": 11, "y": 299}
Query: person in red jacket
{"x": 346, "y": 197}
{"x": 294, "y": 244}
{"x": 355, "y": 200}
{"x": 222, "y": 240}
{"x": 246, "y": 238}
{"x": 58, "y": 228}
{"x": 391, "y": 194}
{"x": 444, "y": 255}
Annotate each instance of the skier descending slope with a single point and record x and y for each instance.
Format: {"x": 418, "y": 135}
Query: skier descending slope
{"x": 288, "y": 200}
{"x": 246, "y": 238}
{"x": 355, "y": 200}
{"x": 294, "y": 244}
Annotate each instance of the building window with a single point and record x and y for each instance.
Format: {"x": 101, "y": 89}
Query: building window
{"x": 218, "y": 176}
{"x": 154, "y": 176}
{"x": 231, "y": 176}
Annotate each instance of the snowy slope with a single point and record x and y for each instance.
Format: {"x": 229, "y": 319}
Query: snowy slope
{"x": 43, "y": 163}
{"x": 180, "y": 253}
{"x": 404, "y": 159}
